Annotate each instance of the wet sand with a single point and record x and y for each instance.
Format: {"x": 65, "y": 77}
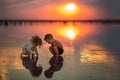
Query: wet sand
{"x": 92, "y": 62}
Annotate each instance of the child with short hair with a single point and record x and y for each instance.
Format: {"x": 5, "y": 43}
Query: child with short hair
{"x": 30, "y": 48}
{"x": 56, "y": 47}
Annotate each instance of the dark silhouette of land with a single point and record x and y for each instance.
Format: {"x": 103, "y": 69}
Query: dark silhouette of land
{"x": 20, "y": 22}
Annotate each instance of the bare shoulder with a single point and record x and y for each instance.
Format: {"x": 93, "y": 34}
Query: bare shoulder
{"x": 58, "y": 43}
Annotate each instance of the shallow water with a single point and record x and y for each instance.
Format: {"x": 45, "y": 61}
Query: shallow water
{"x": 93, "y": 55}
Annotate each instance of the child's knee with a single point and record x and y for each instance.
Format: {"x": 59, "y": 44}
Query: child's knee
{"x": 50, "y": 48}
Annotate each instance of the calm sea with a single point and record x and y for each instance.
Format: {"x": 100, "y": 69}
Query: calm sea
{"x": 94, "y": 53}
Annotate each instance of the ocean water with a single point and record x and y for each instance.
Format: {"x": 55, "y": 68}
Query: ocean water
{"x": 94, "y": 53}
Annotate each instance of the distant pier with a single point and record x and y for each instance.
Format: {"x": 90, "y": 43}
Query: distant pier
{"x": 21, "y": 22}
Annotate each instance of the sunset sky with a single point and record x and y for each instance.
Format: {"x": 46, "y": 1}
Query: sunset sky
{"x": 55, "y": 9}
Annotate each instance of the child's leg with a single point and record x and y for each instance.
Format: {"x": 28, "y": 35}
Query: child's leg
{"x": 52, "y": 50}
{"x": 34, "y": 56}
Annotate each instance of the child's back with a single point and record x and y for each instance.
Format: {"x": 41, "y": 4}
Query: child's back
{"x": 28, "y": 48}
{"x": 56, "y": 47}
{"x": 57, "y": 43}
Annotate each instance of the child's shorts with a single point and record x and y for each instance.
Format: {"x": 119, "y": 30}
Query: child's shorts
{"x": 60, "y": 50}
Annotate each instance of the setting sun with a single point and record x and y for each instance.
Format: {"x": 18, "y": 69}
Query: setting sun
{"x": 70, "y": 34}
{"x": 70, "y": 7}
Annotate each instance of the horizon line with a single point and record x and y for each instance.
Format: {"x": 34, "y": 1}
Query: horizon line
{"x": 58, "y": 20}
{"x": 21, "y": 21}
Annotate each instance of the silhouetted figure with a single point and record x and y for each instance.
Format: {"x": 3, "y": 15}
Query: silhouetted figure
{"x": 56, "y": 47}
{"x": 55, "y": 65}
{"x": 30, "y": 64}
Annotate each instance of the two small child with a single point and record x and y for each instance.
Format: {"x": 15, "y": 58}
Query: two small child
{"x": 30, "y": 48}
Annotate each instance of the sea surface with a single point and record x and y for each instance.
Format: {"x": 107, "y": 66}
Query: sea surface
{"x": 94, "y": 53}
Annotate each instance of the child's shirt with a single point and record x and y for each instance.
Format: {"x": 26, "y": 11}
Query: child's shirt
{"x": 29, "y": 48}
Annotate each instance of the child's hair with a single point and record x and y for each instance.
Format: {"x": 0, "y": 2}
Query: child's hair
{"x": 37, "y": 39}
{"x": 48, "y": 36}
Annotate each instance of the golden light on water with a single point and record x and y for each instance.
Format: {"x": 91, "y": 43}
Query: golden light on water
{"x": 95, "y": 53}
{"x": 70, "y": 33}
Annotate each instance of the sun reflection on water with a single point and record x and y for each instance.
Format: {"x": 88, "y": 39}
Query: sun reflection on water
{"x": 95, "y": 53}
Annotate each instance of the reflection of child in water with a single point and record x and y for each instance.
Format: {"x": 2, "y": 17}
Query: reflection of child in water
{"x": 55, "y": 66}
{"x": 56, "y": 47}
{"x": 31, "y": 66}
{"x": 29, "y": 49}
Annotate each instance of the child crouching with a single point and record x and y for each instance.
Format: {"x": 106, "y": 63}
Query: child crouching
{"x": 30, "y": 48}
{"x": 56, "y": 47}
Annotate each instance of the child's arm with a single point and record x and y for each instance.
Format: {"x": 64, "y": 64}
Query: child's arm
{"x": 36, "y": 51}
{"x": 56, "y": 51}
